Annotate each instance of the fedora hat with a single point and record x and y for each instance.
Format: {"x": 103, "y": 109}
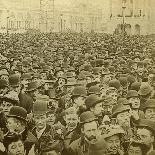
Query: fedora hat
{"x": 113, "y": 130}
{"x": 18, "y": 112}
{"x": 148, "y": 124}
{"x": 87, "y": 117}
{"x": 132, "y": 93}
{"x": 119, "y": 109}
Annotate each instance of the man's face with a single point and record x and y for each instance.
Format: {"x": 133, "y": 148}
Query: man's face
{"x": 60, "y": 74}
{"x": 135, "y": 150}
{"x": 11, "y": 124}
{"x": 5, "y": 77}
{"x": 34, "y": 93}
{"x": 134, "y": 102}
{"x": 88, "y": 79}
{"x": 113, "y": 144}
{"x": 145, "y": 136}
{"x": 90, "y": 131}
{"x": 79, "y": 101}
{"x": 53, "y": 104}
{"x": 71, "y": 121}
{"x": 40, "y": 121}
{"x": 98, "y": 109}
{"x": 51, "y": 118}
{"x": 61, "y": 82}
{"x": 123, "y": 119}
{"x": 108, "y": 109}
{"x": 70, "y": 89}
{"x": 6, "y": 106}
{"x": 107, "y": 78}
{"x": 17, "y": 89}
{"x": 16, "y": 148}
{"x": 112, "y": 94}
{"x": 25, "y": 83}
{"x": 150, "y": 114}
{"x": 43, "y": 76}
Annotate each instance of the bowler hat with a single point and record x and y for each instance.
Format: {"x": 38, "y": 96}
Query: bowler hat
{"x": 94, "y": 90}
{"x": 135, "y": 86}
{"x": 148, "y": 124}
{"x": 113, "y": 130}
{"x": 87, "y": 117}
{"x": 10, "y": 98}
{"x": 132, "y": 93}
{"x": 18, "y": 112}
{"x": 115, "y": 83}
{"x": 79, "y": 91}
{"x": 40, "y": 107}
{"x": 150, "y": 103}
{"x": 119, "y": 109}
{"x": 145, "y": 89}
{"x": 92, "y": 100}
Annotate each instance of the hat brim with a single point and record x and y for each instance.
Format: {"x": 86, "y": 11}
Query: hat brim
{"x": 146, "y": 126}
{"x": 121, "y": 110}
{"x": 89, "y": 120}
{"x": 143, "y": 94}
{"x": 18, "y": 117}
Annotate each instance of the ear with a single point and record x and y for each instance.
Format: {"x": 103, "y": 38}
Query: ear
{"x": 152, "y": 138}
{"x": 91, "y": 109}
{"x": 82, "y": 130}
{"x": 64, "y": 117}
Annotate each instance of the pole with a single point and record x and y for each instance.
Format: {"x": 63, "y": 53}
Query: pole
{"x": 7, "y": 26}
{"x": 61, "y": 26}
{"x": 46, "y": 22}
{"x": 123, "y": 14}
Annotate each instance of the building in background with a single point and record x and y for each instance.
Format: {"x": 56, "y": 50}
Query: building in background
{"x": 131, "y": 16}
{"x": 105, "y": 16}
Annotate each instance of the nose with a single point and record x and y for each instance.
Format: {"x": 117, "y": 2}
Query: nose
{"x": 114, "y": 144}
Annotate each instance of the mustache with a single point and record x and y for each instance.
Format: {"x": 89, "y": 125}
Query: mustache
{"x": 72, "y": 124}
{"x": 92, "y": 138}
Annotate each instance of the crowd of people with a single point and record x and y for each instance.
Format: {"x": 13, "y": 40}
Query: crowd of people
{"x": 77, "y": 94}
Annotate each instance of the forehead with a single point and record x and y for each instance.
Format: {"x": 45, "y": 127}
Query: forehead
{"x": 90, "y": 125}
{"x": 74, "y": 115}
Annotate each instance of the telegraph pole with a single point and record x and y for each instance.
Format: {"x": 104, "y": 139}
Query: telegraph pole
{"x": 123, "y": 14}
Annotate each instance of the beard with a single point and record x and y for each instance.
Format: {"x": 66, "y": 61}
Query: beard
{"x": 91, "y": 138}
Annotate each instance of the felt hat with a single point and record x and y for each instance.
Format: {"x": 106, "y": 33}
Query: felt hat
{"x": 87, "y": 117}
{"x": 18, "y": 112}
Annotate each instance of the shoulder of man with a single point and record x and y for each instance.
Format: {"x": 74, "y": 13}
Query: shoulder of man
{"x": 75, "y": 144}
{"x": 31, "y": 138}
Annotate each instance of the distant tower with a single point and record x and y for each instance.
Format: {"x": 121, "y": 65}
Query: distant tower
{"x": 46, "y": 15}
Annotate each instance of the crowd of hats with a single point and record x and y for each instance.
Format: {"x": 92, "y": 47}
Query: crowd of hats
{"x": 97, "y": 68}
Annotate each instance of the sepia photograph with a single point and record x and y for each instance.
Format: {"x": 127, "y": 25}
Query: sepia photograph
{"x": 77, "y": 77}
